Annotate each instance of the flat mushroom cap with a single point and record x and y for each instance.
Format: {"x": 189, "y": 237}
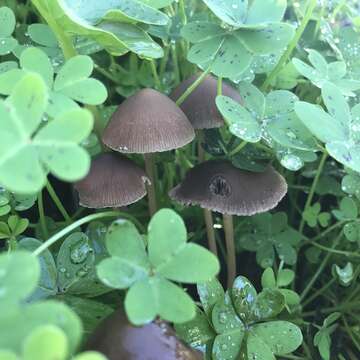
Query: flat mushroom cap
{"x": 113, "y": 181}
{"x": 219, "y": 186}
{"x": 148, "y": 122}
{"x": 119, "y": 340}
{"x": 200, "y": 106}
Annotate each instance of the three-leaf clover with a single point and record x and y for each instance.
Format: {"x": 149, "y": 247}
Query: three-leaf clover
{"x": 14, "y": 227}
{"x": 313, "y": 215}
{"x": 229, "y": 49}
{"x": 71, "y": 85}
{"x": 236, "y": 323}
{"x": 322, "y": 72}
{"x": 339, "y": 128}
{"x": 149, "y": 274}
{"x": 115, "y": 25}
{"x": 29, "y": 153}
{"x": 20, "y": 273}
{"x": 7, "y": 27}
{"x": 269, "y": 234}
{"x": 271, "y": 118}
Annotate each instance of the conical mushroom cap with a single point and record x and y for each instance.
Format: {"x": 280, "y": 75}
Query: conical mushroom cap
{"x": 148, "y": 122}
{"x": 219, "y": 186}
{"x": 200, "y": 106}
{"x": 119, "y": 340}
{"x": 113, "y": 181}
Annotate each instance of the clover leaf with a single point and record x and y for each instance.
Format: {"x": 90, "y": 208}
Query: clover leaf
{"x": 321, "y": 72}
{"x": 115, "y": 25}
{"x": 313, "y": 215}
{"x": 47, "y": 283}
{"x": 7, "y": 27}
{"x": 267, "y": 234}
{"x": 19, "y": 273}
{"x": 71, "y": 85}
{"x": 339, "y": 128}
{"x": 27, "y": 153}
{"x": 14, "y": 227}
{"x": 230, "y": 50}
{"x": 148, "y": 274}
{"x": 348, "y": 209}
{"x": 235, "y": 325}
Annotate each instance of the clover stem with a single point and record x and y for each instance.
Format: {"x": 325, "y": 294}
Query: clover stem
{"x": 238, "y": 148}
{"x": 230, "y": 248}
{"x": 320, "y": 268}
{"x": 193, "y": 86}
{"x": 311, "y": 4}
{"x": 57, "y": 202}
{"x": 155, "y": 75}
{"x": 44, "y": 228}
{"x": 72, "y": 227}
{"x": 65, "y": 41}
{"x": 313, "y": 188}
{"x": 149, "y": 168}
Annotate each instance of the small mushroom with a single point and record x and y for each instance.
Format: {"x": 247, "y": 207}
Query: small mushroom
{"x": 146, "y": 123}
{"x": 200, "y": 108}
{"x": 219, "y": 186}
{"x": 117, "y": 339}
{"x": 113, "y": 181}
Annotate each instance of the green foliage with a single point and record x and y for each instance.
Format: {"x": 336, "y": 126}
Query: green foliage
{"x": 148, "y": 275}
{"x": 237, "y": 323}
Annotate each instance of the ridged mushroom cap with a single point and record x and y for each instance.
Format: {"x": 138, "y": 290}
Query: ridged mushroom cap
{"x": 148, "y": 122}
{"x": 113, "y": 181}
{"x": 219, "y": 186}
{"x": 119, "y": 340}
{"x": 200, "y": 106}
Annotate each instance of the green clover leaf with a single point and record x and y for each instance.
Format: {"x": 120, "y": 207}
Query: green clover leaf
{"x": 20, "y": 272}
{"x": 27, "y": 158}
{"x": 113, "y": 25}
{"x": 230, "y": 50}
{"x": 313, "y": 215}
{"x": 232, "y": 327}
{"x": 7, "y": 27}
{"x": 210, "y": 293}
{"x": 274, "y": 338}
{"x": 266, "y": 234}
{"x": 338, "y": 128}
{"x": 147, "y": 274}
{"x": 72, "y": 83}
{"x": 321, "y": 72}
{"x": 47, "y": 284}
{"x": 348, "y": 209}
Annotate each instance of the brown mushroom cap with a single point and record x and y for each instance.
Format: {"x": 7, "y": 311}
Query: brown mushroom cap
{"x": 200, "y": 106}
{"x": 119, "y": 340}
{"x": 113, "y": 181}
{"x": 148, "y": 122}
{"x": 219, "y": 186}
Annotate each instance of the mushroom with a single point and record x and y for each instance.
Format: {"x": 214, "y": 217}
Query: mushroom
{"x": 219, "y": 186}
{"x": 200, "y": 108}
{"x": 113, "y": 181}
{"x": 117, "y": 339}
{"x": 146, "y": 123}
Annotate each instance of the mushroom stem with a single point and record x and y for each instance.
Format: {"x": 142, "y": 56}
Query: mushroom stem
{"x": 149, "y": 168}
{"x": 230, "y": 248}
{"x": 210, "y": 231}
{"x": 207, "y": 213}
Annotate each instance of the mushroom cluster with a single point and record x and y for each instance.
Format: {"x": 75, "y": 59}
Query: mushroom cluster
{"x": 116, "y": 338}
{"x": 145, "y": 123}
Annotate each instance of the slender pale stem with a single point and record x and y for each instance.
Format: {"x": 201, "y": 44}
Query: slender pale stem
{"x": 43, "y": 226}
{"x": 230, "y": 248}
{"x": 149, "y": 168}
{"x": 58, "y": 202}
{"x": 309, "y": 11}
{"x": 72, "y": 227}
{"x": 238, "y": 148}
{"x": 210, "y": 231}
{"x": 155, "y": 75}
{"x": 313, "y": 188}
{"x": 193, "y": 86}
